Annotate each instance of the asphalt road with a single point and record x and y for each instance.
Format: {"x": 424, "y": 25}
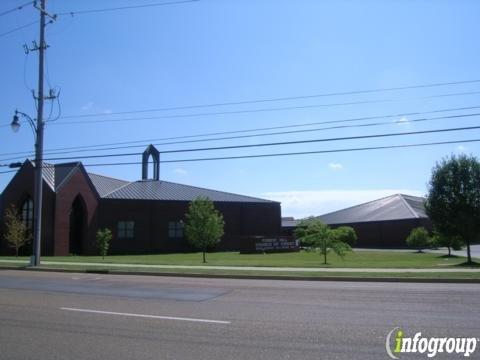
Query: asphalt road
{"x": 87, "y": 316}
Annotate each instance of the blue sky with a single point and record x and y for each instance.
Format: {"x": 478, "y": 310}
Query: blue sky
{"x": 216, "y": 51}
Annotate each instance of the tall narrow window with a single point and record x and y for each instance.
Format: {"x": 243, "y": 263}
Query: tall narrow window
{"x": 126, "y": 229}
{"x": 175, "y": 229}
{"x": 27, "y": 213}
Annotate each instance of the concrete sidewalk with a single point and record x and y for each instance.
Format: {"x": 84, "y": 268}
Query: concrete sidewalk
{"x": 251, "y": 268}
{"x": 474, "y": 251}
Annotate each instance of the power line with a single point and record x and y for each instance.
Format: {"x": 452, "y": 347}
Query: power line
{"x": 92, "y": 11}
{"x": 263, "y": 134}
{"x": 20, "y": 7}
{"x": 285, "y": 154}
{"x": 102, "y": 147}
{"x": 257, "y": 101}
{"x": 278, "y": 133}
{"x": 297, "y": 153}
{"x": 321, "y": 151}
{"x": 19, "y": 28}
{"x": 284, "y": 126}
{"x": 297, "y": 107}
{"x": 282, "y": 143}
{"x": 79, "y": 12}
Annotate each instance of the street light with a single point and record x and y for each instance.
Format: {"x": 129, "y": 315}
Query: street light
{"x": 15, "y": 125}
{"x": 37, "y": 128}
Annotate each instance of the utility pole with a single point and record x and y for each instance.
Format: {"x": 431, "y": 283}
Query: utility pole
{"x": 37, "y": 234}
{"x": 37, "y": 126}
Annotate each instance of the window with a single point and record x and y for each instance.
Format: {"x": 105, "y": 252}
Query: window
{"x": 175, "y": 229}
{"x": 126, "y": 229}
{"x": 27, "y": 213}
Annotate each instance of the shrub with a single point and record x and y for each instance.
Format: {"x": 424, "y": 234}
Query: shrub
{"x": 104, "y": 237}
{"x": 418, "y": 239}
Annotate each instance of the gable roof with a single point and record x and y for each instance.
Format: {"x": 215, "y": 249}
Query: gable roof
{"x": 394, "y": 207}
{"x": 55, "y": 175}
{"x": 110, "y": 188}
{"x": 106, "y": 185}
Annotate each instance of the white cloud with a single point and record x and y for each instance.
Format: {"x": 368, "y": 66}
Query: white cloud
{"x": 180, "y": 171}
{"x": 107, "y": 111}
{"x": 461, "y": 148}
{"x": 88, "y": 106}
{"x": 335, "y": 166}
{"x": 301, "y": 204}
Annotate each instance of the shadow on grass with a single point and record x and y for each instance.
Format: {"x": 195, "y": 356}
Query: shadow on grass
{"x": 449, "y": 256}
{"x": 472, "y": 264}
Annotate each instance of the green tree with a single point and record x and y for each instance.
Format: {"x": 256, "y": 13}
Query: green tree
{"x": 204, "y": 224}
{"x": 316, "y": 235}
{"x": 418, "y": 239}
{"x": 104, "y": 237}
{"x": 345, "y": 234}
{"x": 16, "y": 234}
{"x": 453, "y": 201}
{"x": 450, "y": 242}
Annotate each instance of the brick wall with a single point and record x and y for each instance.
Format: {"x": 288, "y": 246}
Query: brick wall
{"x": 76, "y": 185}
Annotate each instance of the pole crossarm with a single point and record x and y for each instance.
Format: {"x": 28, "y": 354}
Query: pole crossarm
{"x": 43, "y": 11}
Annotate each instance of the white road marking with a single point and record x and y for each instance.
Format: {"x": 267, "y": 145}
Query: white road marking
{"x": 145, "y": 316}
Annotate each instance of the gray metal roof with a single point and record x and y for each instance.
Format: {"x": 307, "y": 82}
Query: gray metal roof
{"x": 395, "y": 207}
{"x": 64, "y": 171}
{"x": 106, "y": 185}
{"x": 49, "y": 175}
{"x": 289, "y": 222}
{"x": 165, "y": 190}
{"x": 55, "y": 174}
{"x": 110, "y": 188}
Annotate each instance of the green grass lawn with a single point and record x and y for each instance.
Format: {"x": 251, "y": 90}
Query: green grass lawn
{"x": 357, "y": 259}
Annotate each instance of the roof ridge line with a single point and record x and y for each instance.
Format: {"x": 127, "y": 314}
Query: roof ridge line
{"x": 44, "y": 177}
{"x": 121, "y": 187}
{"x": 108, "y": 177}
{"x": 408, "y": 206}
{"x": 361, "y": 204}
{"x": 221, "y": 191}
{"x": 75, "y": 165}
{"x": 413, "y": 196}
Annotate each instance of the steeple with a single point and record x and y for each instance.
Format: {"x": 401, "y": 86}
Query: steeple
{"x": 155, "y": 154}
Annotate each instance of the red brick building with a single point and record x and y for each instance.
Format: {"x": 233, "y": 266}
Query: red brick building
{"x": 145, "y": 216}
{"x": 382, "y": 223}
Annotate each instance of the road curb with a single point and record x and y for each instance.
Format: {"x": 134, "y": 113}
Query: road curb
{"x": 250, "y": 277}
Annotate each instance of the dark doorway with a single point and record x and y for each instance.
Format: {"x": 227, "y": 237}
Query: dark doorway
{"x": 77, "y": 226}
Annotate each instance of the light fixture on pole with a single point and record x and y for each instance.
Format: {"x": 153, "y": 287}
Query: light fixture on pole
{"x": 15, "y": 125}
{"x": 37, "y": 128}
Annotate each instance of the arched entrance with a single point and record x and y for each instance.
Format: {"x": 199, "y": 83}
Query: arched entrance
{"x": 77, "y": 226}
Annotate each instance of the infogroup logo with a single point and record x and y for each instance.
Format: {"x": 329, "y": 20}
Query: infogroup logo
{"x": 429, "y": 346}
